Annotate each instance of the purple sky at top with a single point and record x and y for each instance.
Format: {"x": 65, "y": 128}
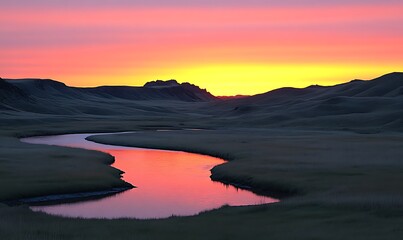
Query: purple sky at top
{"x": 185, "y": 3}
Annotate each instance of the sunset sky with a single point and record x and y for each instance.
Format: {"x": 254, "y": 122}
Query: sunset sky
{"x": 228, "y": 46}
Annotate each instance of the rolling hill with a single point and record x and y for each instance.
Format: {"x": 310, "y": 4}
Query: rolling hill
{"x": 362, "y": 105}
{"x": 46, "y": 96}
{"x": 377, "y": 103}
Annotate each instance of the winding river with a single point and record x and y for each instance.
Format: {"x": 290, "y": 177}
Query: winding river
{"x": 167, "y": 183}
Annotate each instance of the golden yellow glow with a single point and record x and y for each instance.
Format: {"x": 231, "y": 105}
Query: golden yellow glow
{"x": 225, "y": 80}
{"x": 233, "y": 79}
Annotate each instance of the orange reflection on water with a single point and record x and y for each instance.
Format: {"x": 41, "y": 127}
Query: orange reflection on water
{"x": 168, "y": 183}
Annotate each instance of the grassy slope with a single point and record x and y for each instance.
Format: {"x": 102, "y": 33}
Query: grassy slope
{"x": 350, "y": 183}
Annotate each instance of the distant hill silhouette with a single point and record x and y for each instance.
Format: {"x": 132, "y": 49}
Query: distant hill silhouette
{"x": 162, "y": 84}
{"x": 171, "y": 91}
{"x": 46, "y": 96}
{"x": 377, "y": 103}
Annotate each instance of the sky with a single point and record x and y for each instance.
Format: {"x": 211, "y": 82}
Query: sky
{"x": 229, "y": 47}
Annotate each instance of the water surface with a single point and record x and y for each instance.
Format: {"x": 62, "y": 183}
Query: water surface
{"x": 168, "y": 183}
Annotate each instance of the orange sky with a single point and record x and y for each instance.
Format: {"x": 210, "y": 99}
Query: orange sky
{"x": 227, "y": 49}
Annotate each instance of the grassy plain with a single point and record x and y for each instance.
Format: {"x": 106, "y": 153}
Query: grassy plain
{"x": 340, "y": 185}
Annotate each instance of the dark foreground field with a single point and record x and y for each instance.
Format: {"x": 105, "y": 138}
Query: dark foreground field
{"x": 340, "y": 184}
{"x": 338, "y": 173}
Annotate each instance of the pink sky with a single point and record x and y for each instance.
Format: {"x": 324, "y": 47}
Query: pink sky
{"x": 217, "y": 47}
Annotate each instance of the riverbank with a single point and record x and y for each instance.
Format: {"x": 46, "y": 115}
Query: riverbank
{"x": 67, "y": 198}
{"x": 34, "y": 171}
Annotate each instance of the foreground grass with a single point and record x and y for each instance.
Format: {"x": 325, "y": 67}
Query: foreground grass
{"x": 345, "y": 186}
{"x": 279, "y": 221}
